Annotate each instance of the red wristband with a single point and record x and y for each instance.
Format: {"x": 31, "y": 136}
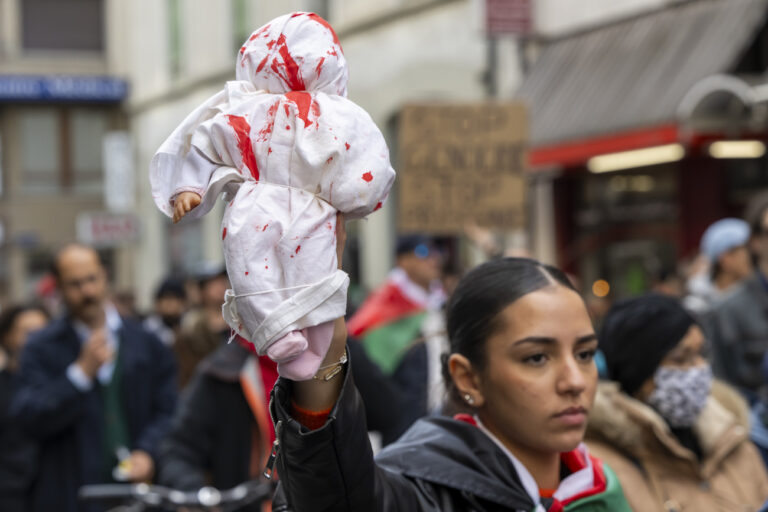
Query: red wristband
{"x": 313, "y": 420}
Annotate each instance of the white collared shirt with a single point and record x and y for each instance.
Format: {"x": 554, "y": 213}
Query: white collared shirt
{"x": 113, "y": 323}
{"x": 432, "y": 300}
{"x": 571, "y": 485}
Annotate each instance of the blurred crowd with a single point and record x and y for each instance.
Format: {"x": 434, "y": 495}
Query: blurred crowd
{"x": 91, "y": 391}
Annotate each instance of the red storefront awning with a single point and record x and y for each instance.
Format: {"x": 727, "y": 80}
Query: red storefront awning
{"x": 577, "y": 152}
{"x": 618, "y": 87}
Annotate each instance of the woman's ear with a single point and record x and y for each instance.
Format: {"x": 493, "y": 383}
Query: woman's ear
{"x": 466, "y": 380}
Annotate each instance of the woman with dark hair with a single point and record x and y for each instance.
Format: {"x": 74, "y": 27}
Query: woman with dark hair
{"x": 520, "y": 363}
{"x": 17, "y": 453}
{"x": 16, "y": 322}
{"x": 677, "y": 439}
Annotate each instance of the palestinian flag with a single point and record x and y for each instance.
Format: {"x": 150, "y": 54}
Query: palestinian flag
{"x": 388, "y": 322}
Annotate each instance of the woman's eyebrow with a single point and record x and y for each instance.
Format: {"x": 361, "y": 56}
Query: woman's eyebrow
{"x": 544, "y": 340}
{"x": 540, "y": 340}
{"x": 586, "y": 339}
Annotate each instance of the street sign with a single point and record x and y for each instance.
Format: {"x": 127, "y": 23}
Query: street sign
{"x": 509, "y": 17}
{"x": 100, "y": 229}
{"x": 62, "y": 88}
{"x": 462, "y": 164}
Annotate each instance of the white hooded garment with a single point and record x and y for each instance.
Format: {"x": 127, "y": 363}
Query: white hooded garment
{"x": 290, "y": 151}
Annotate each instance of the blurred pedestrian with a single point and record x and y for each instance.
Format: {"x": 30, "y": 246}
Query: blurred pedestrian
{"x": 125, "y": 303}
{"x": 92, "y": 385}
{"x": 203, "y": 329}
{"x": 169, "y": 308}
{"x": 402, "y": 328}
{"x": 391, "y": 318}
{"x": 221, "y": 433}
{"x": 18, "y": 454}
{"x": 527, "y": 382}
{"x": 667, "y": 281}
{"x": 725, "y": 245}
{"x": 17, "y": 321}
{"x": 738, "y": 326}
{"x": 676, "y": 439}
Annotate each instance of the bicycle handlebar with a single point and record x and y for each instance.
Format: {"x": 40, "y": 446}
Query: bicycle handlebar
{"x": 157, "y": 495}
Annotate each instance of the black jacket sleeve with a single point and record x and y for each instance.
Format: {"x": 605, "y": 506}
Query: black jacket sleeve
{"x": 332, "y": 468}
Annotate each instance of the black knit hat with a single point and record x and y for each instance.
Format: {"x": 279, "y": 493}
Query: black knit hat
{"x": 637, "y": 333}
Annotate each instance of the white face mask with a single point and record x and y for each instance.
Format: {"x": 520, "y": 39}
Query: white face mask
{"x": 680, "y": 395}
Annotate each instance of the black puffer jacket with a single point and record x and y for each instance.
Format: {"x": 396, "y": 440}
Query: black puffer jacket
{"x": 439, "y": 464}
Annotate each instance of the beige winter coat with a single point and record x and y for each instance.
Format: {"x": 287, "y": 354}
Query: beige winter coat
{"x": 658, "y": 474}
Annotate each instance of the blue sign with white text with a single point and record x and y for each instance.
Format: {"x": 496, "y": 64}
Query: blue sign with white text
{"x": 62, "y": 88}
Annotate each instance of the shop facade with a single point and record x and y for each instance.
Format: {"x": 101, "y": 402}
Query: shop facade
{"x": 649, "y": 129}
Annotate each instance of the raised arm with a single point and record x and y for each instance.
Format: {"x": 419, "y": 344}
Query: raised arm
{"x": 331, "y": 468}
{"x": 320, "y": 394}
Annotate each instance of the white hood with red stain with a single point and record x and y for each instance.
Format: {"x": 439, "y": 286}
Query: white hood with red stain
{"x": 295, "y": 52}
{"x": 290, "y": 150}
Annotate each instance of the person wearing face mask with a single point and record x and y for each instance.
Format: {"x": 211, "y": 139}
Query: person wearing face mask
{"x": 170, "y": 306}
{"x": 677, "y": 439}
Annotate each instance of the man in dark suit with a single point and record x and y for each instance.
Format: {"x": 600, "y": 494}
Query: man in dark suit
{"x": 92, "y": 385}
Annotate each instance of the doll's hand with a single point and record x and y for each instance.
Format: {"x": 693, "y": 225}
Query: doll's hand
{"x": 185, "y": 202}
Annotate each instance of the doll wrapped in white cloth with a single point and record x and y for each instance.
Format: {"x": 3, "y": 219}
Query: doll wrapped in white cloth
{"x": 289, "y": 150}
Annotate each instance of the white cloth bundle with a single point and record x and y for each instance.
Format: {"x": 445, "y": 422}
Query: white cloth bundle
{"x": 290, "y": 151}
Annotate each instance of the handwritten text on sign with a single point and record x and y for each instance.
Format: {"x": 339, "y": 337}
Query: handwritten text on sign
{"x": 462, "y": 164}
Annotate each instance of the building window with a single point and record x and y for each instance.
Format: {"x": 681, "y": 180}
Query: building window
{"x": 61, "y": 149}
{"x": 41, "y": 157}
{"x": 87, "y": 129}
{"x": 62, "y": 25}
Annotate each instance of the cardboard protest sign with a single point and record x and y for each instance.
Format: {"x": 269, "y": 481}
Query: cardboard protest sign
{"x": 459, "y": 164}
